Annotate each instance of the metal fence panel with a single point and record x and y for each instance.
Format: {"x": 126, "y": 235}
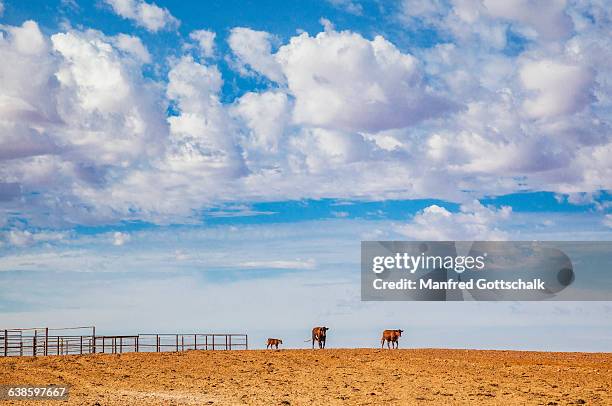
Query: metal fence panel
{"x": 58, "y": 341}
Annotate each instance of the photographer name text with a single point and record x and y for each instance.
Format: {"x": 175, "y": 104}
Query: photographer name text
{"x": 451, "y": 284}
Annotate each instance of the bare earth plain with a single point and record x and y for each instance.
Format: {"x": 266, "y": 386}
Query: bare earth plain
{"x": 324, "y": 377}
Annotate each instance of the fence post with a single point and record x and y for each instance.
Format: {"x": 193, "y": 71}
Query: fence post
{"x": 177, "y": 343}
{"x": 230, "y": 342}
{"x": 5, "y": 343}
{"x": 34, "y": 344}
{"x": 103, "y": 340}
{"x": 195, "y": 341}
{"x": 58, "y": 345}
{"x": 206, "y": 341}
{"x": 213, "y": 342}
{"x": 246, "y": 342}
{"x": 157, "y": 342}
{"x": 136, "y": 339}
{"x": 46, "y": 352}
{"x": 81, "y": 345}
{"x": 93, "y": 335}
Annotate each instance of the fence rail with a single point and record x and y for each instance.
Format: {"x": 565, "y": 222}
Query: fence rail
{"x": 47, "y": 341}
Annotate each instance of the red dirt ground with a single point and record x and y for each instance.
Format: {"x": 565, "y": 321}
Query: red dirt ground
{"x": 304, "y": 377}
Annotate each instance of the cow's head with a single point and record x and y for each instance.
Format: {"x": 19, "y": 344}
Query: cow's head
{"x": 280, "y": 341}
{"x": 400, "y": 332}
{"x": 324, "y": 329}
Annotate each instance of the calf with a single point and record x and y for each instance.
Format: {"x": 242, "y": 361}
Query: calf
{"x": 319, "y": 334}
{"x": 273, "y": 342}
{"x": 391, "y": 337}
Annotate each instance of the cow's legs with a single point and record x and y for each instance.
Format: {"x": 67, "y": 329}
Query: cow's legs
{"x": 382, "y": 343}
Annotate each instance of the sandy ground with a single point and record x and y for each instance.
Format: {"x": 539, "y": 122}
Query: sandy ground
{"x": 301, "y": 377}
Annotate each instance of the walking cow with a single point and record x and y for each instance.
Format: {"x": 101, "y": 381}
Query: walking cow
{"x": 391, "y": 337}
{"x": 319, "y": 334}
{"x": 273, "y": 342}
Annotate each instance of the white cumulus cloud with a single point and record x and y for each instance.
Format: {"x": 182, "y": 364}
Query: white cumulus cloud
{"x": 147, "y": 15}
{"x": 546, "y": 17}
{"x": 340, "y": 80}
{"x": 266, "y": 116}
{"x": 473, "y": 222}
{"x": 559, "y": 88}
{"x": 205, "y": 41}
{"x": 350, "y": 6}
{"x": 25, "y": 238}
{"x": 133, "y": 45}
{"x": 92, "y": 130}
{"x": 120, "y": 238}
{"x": 253, "y": 51}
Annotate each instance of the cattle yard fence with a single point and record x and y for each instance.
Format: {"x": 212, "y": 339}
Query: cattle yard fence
{"x": 83, "y": 340}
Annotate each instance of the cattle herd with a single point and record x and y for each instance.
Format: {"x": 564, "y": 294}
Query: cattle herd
{"x": 319, "y": 334}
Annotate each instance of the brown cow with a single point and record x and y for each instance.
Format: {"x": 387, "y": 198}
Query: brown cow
{"x": 319, "y": 334}
{"x": 391, "y": 337}
{"x": 273, "y": 342}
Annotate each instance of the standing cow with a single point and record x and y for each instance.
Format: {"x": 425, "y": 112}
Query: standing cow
{"x": 273, "y": 342}
{"x": 391, "y": 337}
{"x": 319, "y": 334}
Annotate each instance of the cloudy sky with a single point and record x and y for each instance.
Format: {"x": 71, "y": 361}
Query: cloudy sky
{"x": 213, "y": 166}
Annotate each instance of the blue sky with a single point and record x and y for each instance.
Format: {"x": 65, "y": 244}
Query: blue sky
{"x": 151, "y": 149}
